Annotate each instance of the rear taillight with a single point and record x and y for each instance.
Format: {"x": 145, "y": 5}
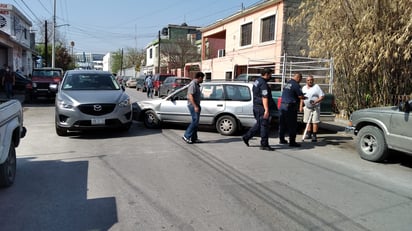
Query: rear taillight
{"x": 29, "y": 86}
{"x": 175, "y": 85}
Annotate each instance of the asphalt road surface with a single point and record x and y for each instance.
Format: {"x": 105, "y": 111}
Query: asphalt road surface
{"x": 151, "y": 180}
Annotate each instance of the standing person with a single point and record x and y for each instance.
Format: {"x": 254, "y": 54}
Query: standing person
{"x": 8, "y": 81}
{"x": 193, "y": 103}
{"x": 263, "y": 103}
{"x": 288, "y": 113}
{"x": 314, "y": 95}
{"x": 149, "y": 86}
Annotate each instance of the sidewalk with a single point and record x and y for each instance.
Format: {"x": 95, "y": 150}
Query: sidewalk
{"x": 19, "y": 96}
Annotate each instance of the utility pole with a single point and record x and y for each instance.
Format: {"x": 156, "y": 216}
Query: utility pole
{"x": 54, "y": 35}
{"x": 158, "y": 60}
{"x": 46, "y": 53}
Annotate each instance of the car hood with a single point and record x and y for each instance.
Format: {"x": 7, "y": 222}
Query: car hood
{"x": 86, "y": 97}
{"x": 379, "y": 109}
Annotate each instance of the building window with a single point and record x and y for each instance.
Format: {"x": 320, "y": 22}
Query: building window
{"x": 268, "y": 29}
{"x": 150, "y": 53}
{"x": 246, "y": 34}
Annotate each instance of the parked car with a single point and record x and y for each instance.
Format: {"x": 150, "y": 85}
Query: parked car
{"x": 379, "y": 129}
{"x": 131, "y": 82}
{"x": 171, "y": 84}
{"x": 23, "y": 85}
{"x": 90, "y": 99}
{"x": 45, "y": 81}
{"x": 141, "y": 83}
{"x": 158, "y": 80}
{"x": 226, "y": 105}
{"x": 247, "y": 77}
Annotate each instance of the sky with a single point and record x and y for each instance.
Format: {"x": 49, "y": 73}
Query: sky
{"x": 102, "y": 26}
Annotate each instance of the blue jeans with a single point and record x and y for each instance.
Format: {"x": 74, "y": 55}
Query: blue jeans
{"x": 149, "y": 92}
{"x": 8, "y": 87}
{"x": 191, "y": 131}
{"x": 262, "y": 125}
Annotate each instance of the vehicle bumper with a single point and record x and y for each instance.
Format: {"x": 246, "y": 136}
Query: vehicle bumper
{"x": 350, "y": 130}
{"x": 76, "y": 120}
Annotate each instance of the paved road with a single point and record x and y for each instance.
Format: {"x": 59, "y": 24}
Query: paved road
{"x": 151, "y": 180}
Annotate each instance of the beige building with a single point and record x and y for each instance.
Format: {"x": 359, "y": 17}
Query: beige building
{"x": 259, "y": 32}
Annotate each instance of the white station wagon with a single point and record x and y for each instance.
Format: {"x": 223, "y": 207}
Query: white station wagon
{"x": 226, "y": 105}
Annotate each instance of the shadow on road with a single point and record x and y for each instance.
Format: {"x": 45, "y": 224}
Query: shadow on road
{"x": 52, "y": 195}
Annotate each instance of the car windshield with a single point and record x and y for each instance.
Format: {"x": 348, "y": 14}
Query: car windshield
{"x": 86, "y": 81}
{"x": 46, "y": 73}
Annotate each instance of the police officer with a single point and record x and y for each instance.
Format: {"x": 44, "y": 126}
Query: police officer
{"x": 288, "y": 113}
{"x": 263, "y": 104}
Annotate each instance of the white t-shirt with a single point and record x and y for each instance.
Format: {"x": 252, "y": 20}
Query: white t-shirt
{"x": 312, "y": 94}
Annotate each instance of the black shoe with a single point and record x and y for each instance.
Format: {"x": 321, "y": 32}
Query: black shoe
{"x": 246, "y": 141}
{"x": 308, "y": 136}
{"x": 267, "y": 148}
{"x": 187, "y": 140}
{"x": 283, "y": 141}
{"x": 294, "y": 144}
{"x": 314, "y": 138}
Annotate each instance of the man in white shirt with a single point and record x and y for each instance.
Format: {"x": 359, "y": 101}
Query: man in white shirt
{"x": 314, "y": 95}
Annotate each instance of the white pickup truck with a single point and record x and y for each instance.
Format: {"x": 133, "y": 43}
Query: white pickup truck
{"x": 11, "y": 130}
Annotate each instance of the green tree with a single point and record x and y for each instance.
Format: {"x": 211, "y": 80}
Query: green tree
{"x": 178, "y": 52}
{"x": 117, "y": 61}
{"x": 371, "y": 43}
{"x": 133, "y": 58}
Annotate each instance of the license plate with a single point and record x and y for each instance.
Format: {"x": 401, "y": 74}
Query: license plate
{"x": 98, "y": 121}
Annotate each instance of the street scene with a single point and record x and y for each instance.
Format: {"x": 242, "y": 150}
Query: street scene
{"x": 211, "y": 115}
{"x": 149, "y": 179}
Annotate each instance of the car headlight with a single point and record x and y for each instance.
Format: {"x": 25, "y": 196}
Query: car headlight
{"x": 125, "y": 103}
{"x": 34, "y": 85}
{"x": 64, "y": 105}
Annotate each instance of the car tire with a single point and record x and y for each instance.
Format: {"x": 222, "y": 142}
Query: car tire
{"x": 226, "y": 125}
{"x": 151, "y": 120}
{"x": 60, "y": 131}
{"x": 371, "y": 144}
{"x": 8, "y": 168}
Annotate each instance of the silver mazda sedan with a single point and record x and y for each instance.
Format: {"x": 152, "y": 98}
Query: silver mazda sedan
{"x": 90, "y": 99}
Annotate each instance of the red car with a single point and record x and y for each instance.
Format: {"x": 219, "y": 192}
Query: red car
{"x": 158, "y": 80}
{"x": 45, "y": 81}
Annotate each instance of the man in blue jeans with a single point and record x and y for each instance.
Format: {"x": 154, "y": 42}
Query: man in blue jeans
{"x": 193, "y": 103}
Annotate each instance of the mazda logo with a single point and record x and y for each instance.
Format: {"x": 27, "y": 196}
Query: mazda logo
{"x": 97, "y": 107}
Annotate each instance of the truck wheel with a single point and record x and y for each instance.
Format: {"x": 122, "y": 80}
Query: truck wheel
{"x": 226, "y": 125}
{"x": 151, "y": 120}
{"x": 8, "y": 168}
{"x": 371, "y": 144}
{"x": 61, "y": 131}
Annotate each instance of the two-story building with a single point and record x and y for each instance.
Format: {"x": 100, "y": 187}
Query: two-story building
{"x": 16, "y": 41}
{"x": 157, "y": 61}
{"x": 259, "y": 32}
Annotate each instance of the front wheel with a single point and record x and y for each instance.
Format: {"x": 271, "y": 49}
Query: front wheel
{"x": 8, "y": 168}
{"x": 371, "y": 144}
{"x": 226, "y": 125}
{"x": 151, "y": 120}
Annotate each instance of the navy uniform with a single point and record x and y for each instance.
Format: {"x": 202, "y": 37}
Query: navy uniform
{"x": 288, "y": 113}
{"x": 261, "y": 90}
